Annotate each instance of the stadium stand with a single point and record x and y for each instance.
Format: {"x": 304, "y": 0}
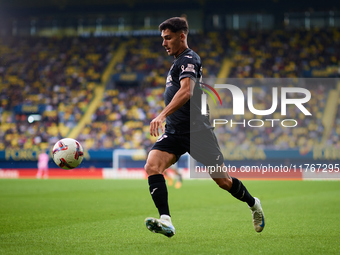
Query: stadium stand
{"x": 51, "y": 76}
{"x": 285, "y": 54}
{"x": 61, "y": 73}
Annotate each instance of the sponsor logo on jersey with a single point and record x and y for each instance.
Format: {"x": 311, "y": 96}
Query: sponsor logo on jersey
{"x": 188, "y": 68}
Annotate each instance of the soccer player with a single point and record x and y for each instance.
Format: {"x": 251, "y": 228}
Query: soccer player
{"x": 186, "y": 130}
{"x": 43, "y": 165}
{"x": 178, "y": 176}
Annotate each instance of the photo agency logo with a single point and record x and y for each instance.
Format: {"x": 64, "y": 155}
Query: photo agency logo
{"x": 238, "y": 108}
{"x": 204, "y": 97}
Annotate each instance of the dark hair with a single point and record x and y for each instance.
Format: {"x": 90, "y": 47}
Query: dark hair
{"x": 175, "y": 24}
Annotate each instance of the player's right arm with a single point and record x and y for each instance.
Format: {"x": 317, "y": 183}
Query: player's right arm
{"x": 182, "y": 96}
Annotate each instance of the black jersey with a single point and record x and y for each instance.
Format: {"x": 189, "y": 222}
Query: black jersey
{"x": 188, "y": 118}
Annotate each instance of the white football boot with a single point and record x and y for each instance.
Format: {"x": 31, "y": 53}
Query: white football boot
{"x": 161, "y": 226}
{"x": 258, "y": 216}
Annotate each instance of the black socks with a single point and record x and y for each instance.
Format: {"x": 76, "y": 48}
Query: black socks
{"x": 240, "y": 192}
{"x": 159, "y": 193}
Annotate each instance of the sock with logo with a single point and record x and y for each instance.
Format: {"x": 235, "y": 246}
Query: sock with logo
{"x": 159, "y": 193}
{"x": 240, "y": 192}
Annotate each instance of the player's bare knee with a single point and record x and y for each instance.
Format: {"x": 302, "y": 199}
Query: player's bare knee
{"x": 151, "y": 169}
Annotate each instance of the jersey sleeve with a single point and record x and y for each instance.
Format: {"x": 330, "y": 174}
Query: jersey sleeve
{"x": 189, "y": 67}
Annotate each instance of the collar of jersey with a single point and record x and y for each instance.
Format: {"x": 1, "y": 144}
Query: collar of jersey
{"x": 185, "y": 51}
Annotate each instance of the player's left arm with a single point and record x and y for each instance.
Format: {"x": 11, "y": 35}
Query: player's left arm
{"x": 180, "y": 98}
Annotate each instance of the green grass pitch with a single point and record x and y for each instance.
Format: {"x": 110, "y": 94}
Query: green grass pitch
{"x": 107, "y": 217}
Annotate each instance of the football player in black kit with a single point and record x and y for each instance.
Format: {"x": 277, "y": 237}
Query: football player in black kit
{"x": 185, "y": 128}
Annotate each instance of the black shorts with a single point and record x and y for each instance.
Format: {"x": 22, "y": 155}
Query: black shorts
{"x": 202, "y": 146}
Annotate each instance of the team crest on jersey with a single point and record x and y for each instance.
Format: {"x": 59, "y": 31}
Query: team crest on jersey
{"x": 189, "y": 68}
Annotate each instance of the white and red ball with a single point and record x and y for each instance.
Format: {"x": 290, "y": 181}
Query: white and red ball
{"x": 67, "y": 153}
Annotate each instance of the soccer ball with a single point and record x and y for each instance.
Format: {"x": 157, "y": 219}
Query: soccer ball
{"x": 67, "y": 153}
